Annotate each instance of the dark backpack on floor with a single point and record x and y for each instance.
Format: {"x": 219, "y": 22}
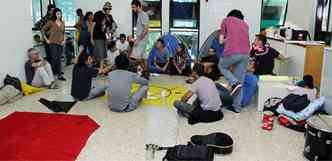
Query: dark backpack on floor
{"x": 13, "y": 81}
{"x": 295, "y": 103}
{"x": 189, "y": 153}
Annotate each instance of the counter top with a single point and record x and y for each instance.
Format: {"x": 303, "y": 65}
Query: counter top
{"x": 299, "y": 43}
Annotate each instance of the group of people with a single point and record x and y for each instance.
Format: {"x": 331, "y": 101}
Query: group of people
{"x": 101, "y": 55}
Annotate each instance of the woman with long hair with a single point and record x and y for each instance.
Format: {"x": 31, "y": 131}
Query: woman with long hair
{"x": 55, "y": 29}
{"x": 85, "y": 36}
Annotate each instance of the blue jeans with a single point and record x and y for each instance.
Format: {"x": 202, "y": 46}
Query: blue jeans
{"x": 239, "y": 63}
{"x": 96, "y": 91}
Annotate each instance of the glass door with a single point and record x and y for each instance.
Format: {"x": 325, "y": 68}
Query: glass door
{"x": 184, "y": 23}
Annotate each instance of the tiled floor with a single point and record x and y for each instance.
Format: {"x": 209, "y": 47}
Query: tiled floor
{"x": 122, "y": 137}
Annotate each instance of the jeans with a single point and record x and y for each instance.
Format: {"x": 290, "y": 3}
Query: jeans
{"x": 56, "y": 52}
{"x": 43, "y": 76}
{"x": 135, "y": 100}
{"x": 185, "y": 109}
{"x": 96, "y": 91}
{"x": 239, "y": 63}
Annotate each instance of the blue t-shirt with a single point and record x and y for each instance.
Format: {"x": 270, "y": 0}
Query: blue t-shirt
{"x": 162, "y": 58}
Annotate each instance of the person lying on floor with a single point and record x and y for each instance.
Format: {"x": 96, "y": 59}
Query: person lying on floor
{"x": 38, "y": 71}
{"x": 264, "y": 55}
{"x": 82, "y": 88}
{"x": 161, "y": 59}
{"x": 120, "y": 82}
{"x": 207, "y": 106}
{"x": 180, "y": 63}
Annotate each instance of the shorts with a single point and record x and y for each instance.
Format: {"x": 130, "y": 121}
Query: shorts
{"x": 139, "y": 51}
{"x": 100, "y": 51}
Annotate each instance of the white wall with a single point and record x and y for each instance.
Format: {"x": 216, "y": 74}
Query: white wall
{"x": 302, "y": 13}
{"x": 214, "y": 11}
{"x": 121, "y": 11}
{"x": 16, "y": 37}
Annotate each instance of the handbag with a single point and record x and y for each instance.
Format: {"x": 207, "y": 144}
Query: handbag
{"x": 189, "y": 153}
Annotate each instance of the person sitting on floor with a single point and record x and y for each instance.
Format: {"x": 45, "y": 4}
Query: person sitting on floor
{"x": 180, "y": 63}
{"x": 112, "y": 53}
{"x": 120, "y": 82}
{"x": 38, "y": 71}
{"x": 122, "y": 44}
{"x": 210, "y": 63}
{"x": 82, "y": 87}
{"x": 207, "y": 106}
{"x": 161, "y": 59}
{"x": 264, "y": 56}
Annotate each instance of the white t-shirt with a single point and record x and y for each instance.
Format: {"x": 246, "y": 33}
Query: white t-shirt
{"x": 207, "y": 93}
{"x": 122, "y": 46}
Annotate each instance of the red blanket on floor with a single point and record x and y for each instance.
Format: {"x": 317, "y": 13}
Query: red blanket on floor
{"x": 43, "y": 137}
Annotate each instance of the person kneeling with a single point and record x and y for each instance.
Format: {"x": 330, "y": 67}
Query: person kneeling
{"x": 207, "y": 107}
{"x": 38, "y": 71}
{"x": 120, "y": 82}
{"x": 82, "y": 88}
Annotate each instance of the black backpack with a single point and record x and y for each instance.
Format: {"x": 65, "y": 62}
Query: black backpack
{"x": 295, "y": 103}
{"x": 13, "y": 81}
{"x": 189, "y": 153}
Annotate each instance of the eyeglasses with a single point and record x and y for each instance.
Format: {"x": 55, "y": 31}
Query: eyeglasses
{"x": 107, "y": 9}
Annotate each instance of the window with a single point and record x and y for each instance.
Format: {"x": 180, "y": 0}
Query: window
{"x": 273, "y": 13}
{"x": 184, "y": 14}
{"x": 153, "y": 9}
{"x": 36, "y": 10}
{"x": 184, "y": 23}
{"x": 68, "y": 11}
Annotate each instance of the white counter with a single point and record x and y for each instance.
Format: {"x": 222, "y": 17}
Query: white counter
{"x": 326, "y": 85}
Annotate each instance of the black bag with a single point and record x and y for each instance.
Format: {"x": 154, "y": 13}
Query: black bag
{"x": 189, "y": 153}
{"x": 295, "y": 103}
{"x": 272, "y": 104}
{"x": 13, "y": 81}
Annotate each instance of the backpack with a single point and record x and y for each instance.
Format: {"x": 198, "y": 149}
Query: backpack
{"x": 189, "y": 153}
{"x": 13, "y": 81}
{"x": 295, "y": 103}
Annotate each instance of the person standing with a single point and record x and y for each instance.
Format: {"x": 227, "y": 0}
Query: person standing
{"x": 111, "y": 25}
{"x": 98, "y": 37}
{"x": 234, "y": 35}
{"x": 78, "y": 25}
{"x": 41, "y": 23}
{"x": 55, "y": 29}
{"x": 85, "y": 36}
{"x": 142, "y": 31}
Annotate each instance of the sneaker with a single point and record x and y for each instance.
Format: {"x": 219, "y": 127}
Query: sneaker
{"x": 61, "y": 78}
{"x": 232, "y": 109}
{"x": 235, "y": 88}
